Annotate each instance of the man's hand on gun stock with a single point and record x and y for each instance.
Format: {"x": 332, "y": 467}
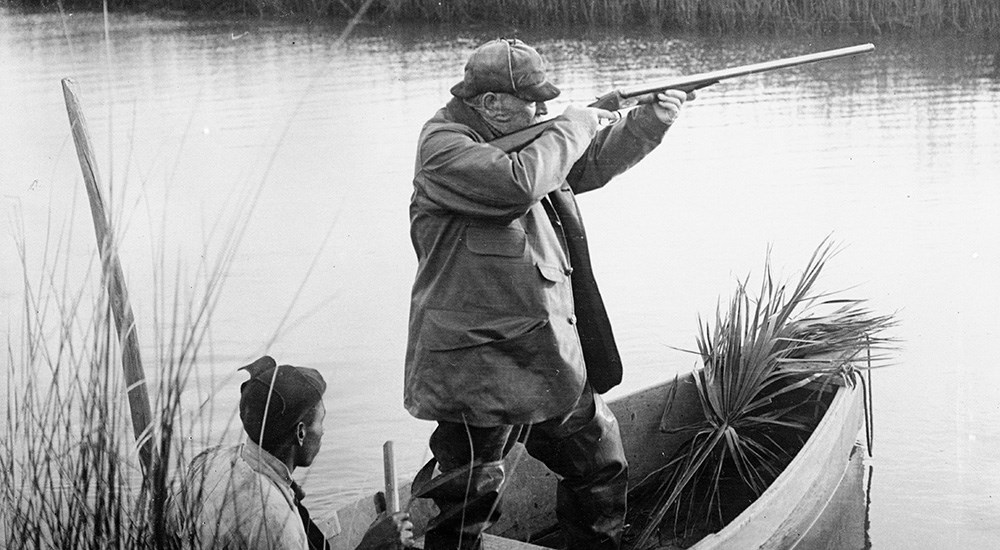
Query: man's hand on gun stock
{"x": 667, "y": 108}
{"x": 591, "y": 116}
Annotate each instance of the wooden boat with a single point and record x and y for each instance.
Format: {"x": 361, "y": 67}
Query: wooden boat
{"x": 784, "y": 516}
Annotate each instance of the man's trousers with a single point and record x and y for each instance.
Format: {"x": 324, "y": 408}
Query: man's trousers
{"x": 583, "y": 448}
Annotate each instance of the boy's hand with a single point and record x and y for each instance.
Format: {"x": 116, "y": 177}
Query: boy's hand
{"x": 389, "y": 532}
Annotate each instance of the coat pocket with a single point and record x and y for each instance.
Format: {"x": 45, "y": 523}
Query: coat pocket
{"x": 502, "y": 240}
{"x": 453, "y": 330}
{"x": 553, "y": 273}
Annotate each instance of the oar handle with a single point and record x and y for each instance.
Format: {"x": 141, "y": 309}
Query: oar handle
{"x": 389, "y": 468}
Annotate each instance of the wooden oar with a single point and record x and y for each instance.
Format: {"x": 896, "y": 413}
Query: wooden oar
{"x": 391, "y": 489}
{"x": 135, "y": 379}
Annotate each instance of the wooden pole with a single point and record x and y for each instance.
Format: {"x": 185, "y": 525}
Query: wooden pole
{"x": 135, "y": 380}
{"x": 391, "y": 489}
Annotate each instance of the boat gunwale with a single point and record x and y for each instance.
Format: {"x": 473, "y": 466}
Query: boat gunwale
{"x": 827, "y": 438}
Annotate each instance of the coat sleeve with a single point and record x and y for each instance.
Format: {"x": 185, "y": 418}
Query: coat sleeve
{"x": 616, "y": 149}
{"x": 459, "y": 173}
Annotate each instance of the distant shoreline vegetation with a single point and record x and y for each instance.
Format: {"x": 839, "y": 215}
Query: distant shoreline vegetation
{"x": 899, "y": 16}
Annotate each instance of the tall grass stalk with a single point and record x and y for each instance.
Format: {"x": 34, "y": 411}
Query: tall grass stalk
{"x": 762, "y": 349}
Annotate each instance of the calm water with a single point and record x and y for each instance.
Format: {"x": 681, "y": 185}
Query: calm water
{"x": 895, "y": 155}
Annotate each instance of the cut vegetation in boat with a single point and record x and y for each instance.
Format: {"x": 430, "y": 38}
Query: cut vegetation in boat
{"x": 770, "y": 368}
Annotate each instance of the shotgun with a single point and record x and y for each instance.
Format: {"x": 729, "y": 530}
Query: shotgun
{"x": 646, "y": 92}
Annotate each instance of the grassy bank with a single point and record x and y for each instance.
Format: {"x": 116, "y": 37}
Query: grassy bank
{"x": 70, "y": 474}
{"x": 921, "y": 16}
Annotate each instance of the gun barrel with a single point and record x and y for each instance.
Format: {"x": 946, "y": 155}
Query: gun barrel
{"x": 516, "y": 140}
{"x": 693, "y": 81}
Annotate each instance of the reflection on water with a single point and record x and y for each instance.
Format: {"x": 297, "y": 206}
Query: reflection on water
{"x": 202, "y": 125}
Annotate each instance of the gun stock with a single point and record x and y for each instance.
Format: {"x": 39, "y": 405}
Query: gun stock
{"x": 646, "y": 92}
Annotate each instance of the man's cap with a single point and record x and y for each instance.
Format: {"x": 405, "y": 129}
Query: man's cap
{"x": 293, "y": 392}
{"x": 506, "y": 65}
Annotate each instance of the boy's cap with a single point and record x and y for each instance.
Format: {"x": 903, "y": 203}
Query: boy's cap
{"x": 294, "y": 391}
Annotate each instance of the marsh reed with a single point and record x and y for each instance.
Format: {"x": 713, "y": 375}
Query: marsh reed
{"x": 70, "y": 474}
{"x": 712, "y": 15}
{"x": 911, "y": 16}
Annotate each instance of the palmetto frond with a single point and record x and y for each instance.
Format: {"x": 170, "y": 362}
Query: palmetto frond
{"x": 759, "y": 350}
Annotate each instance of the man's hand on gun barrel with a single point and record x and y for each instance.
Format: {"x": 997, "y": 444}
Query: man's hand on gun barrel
{"x": 668, "y": 104}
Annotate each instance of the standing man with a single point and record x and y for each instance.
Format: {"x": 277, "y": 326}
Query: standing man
{"x": 507, "y": 328}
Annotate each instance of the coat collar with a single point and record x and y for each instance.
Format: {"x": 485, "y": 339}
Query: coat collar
{"x": 268, "y": 465}
{"x": 461, "y": 113}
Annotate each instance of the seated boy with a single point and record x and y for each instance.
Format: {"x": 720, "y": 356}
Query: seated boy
{"x": 244, "y": 497}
